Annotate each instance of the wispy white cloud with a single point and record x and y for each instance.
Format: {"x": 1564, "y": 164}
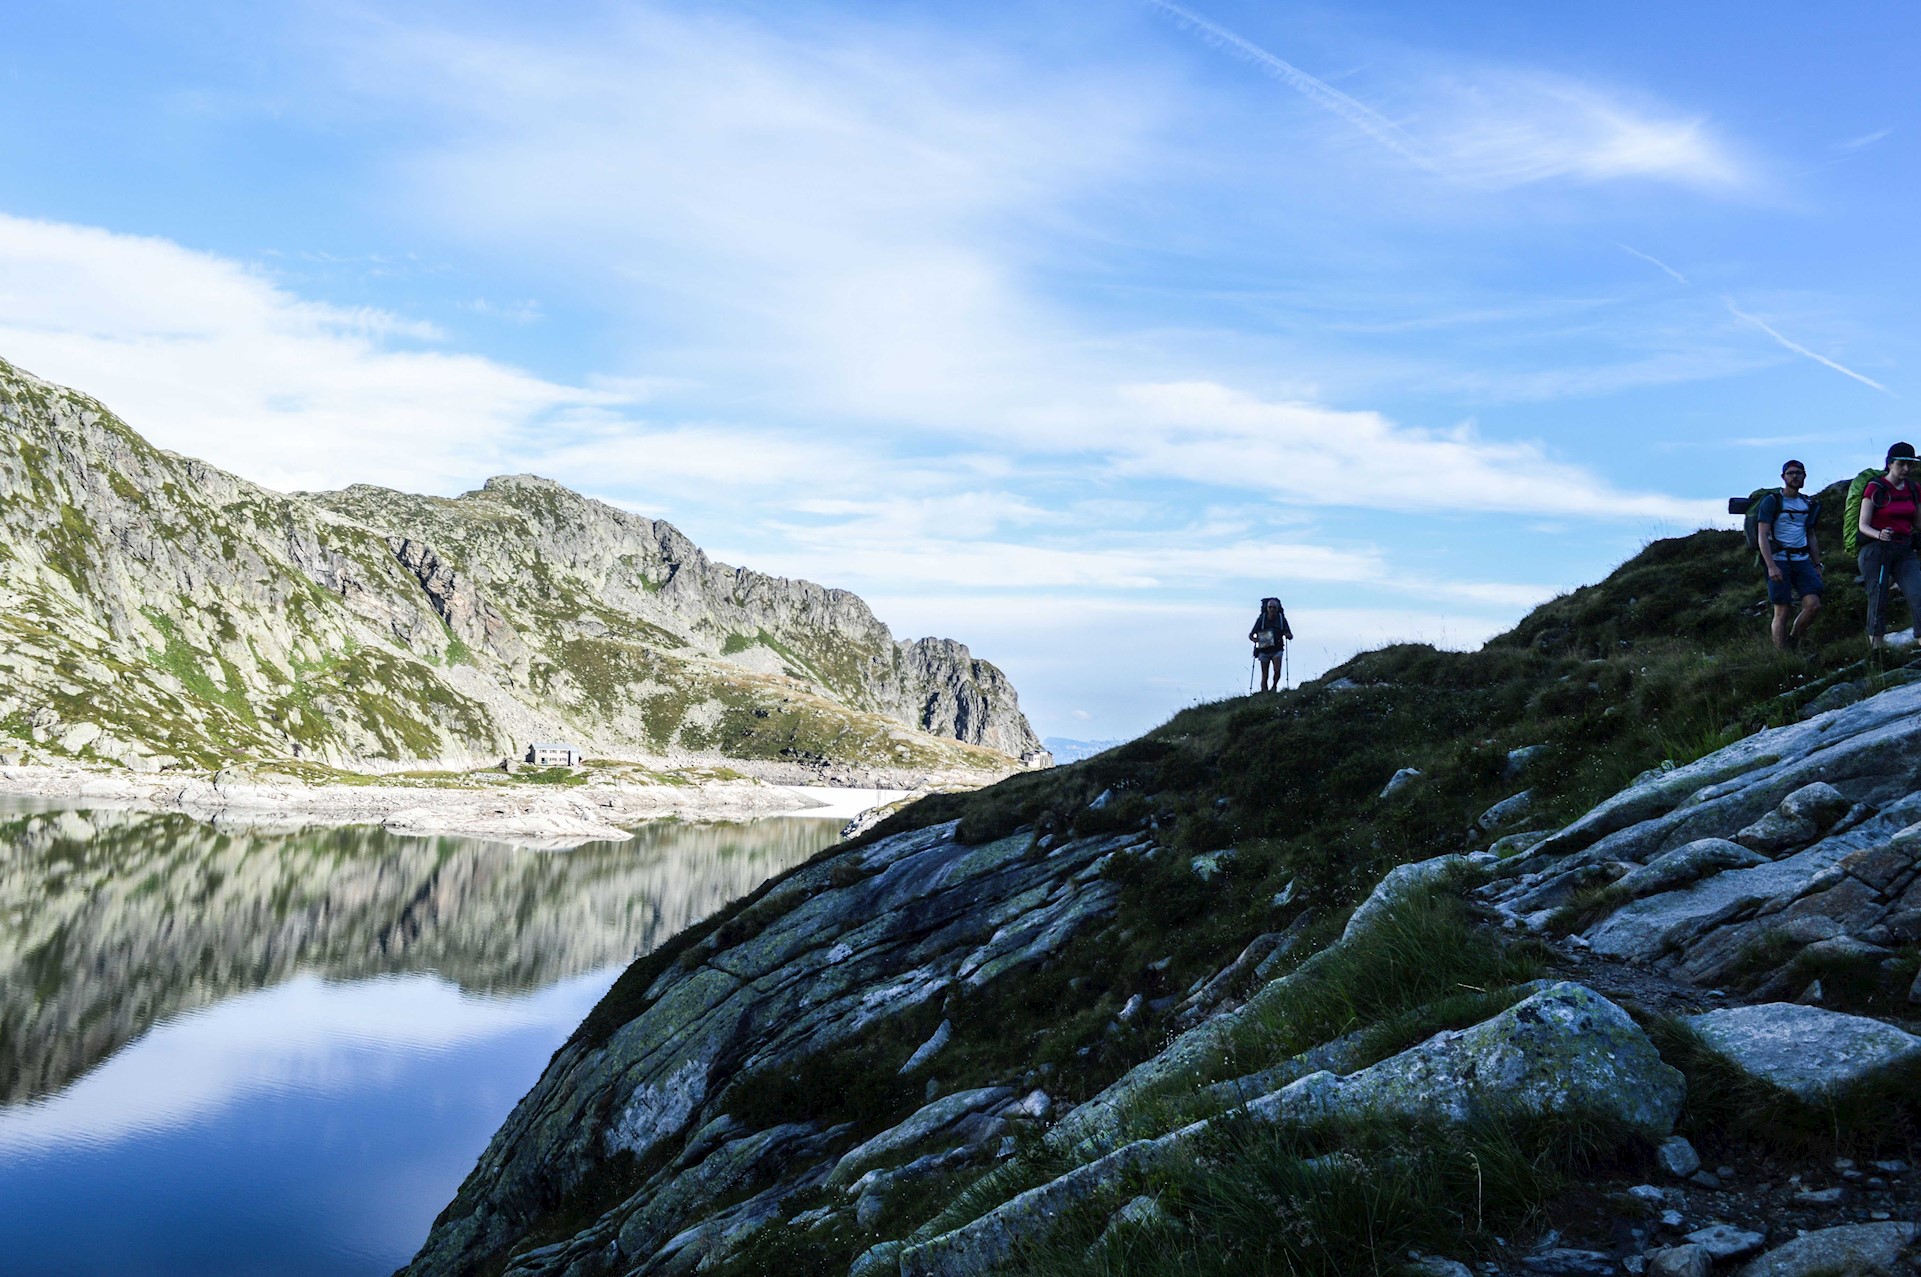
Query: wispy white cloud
{"x": 1357, "y": 113}
{"x": 1314, "y": 455}
{"x": 1501, "y": 128}
{"x": 207, "y": 356}
{"x": 1795, "y": 346}
{"x": 1505, "y": 126}
{"x": 1672, "y": 273}
{"x": 1865, "y": 140}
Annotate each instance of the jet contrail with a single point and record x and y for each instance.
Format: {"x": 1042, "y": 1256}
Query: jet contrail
{"x": 1799, "y": 349}
{"x": 1678, "y": 277}
{"x": 1359, "y": 114}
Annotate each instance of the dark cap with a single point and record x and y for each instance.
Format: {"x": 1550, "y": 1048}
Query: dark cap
{"x": 1792, "y": 464}
{"x": 1900, "y": 452}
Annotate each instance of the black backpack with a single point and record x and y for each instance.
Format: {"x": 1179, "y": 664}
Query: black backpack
{"x": 1764, "y": 506}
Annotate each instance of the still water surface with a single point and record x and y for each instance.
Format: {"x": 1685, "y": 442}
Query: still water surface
{"x": 234, "y": 1051}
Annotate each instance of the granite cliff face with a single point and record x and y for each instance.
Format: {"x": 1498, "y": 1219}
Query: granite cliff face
{"x": 159, "y": 612}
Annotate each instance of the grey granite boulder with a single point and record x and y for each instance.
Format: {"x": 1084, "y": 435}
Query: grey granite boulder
{"x": 1399, "y": 883}
{"x": 1677, "y": 1157}
{"x": 1507, "y": 811}
{"x": 1812, "y": 1054}
{"x": 1725, "y": 1241}
{"x": 1674, "y": 869}
{"x": 1802, "y": 817}
{"x": 926, "y": 1122}
{"x": 1563, "y": 1051}
{"x": 1852, "y": 1250}
{"x": 1400, "y": 780}
{"x": 1686, "y": 1260}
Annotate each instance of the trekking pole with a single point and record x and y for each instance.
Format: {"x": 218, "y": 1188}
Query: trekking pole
{"x": 1287, "y": 658}
{"x": 1881, "y": 593}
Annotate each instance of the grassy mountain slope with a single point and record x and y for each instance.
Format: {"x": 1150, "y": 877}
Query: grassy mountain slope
{"x": 1663, "y": 662}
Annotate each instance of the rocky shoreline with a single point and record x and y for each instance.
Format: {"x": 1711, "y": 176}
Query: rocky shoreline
{"x": 542, "y": 816}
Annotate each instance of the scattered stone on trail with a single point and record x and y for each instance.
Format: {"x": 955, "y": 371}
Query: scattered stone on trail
{"x": 1821, "y": 1196}
{"x": 1812, "y": 1054}
{"x": 1515, "y": 844}
{"x": 1400, "y": 780}
{"x": 1674, "y": 869}
{"x": 1724, "y": 1241}
{"x": 1567, "y": 1262}
{"x": 1677, "y": 1157}
{"x": 1851, "y": 1250}
{"x": 1436, "y": 1266}
{"x": 1507, "y": 811}
{"x": 1802, "y": 817}
{"x": 1841, "y": 694}
{"x": 928, "y": 1049}
{"x": 1688, "y": 1260}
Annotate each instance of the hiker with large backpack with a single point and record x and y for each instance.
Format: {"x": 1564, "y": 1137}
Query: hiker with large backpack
{"x": 1270, "y": 636}
{"x": 1885, "y": 530}
{"x": 1783, "y": 522}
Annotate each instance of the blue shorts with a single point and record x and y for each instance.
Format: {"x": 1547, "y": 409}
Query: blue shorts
{"x": 1798, "y": 577}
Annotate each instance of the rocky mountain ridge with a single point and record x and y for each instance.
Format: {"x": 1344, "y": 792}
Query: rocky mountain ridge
{"x": 159, "y": 612}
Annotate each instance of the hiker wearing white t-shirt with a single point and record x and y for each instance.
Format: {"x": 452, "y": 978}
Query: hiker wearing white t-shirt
{"x": 1784, "y": 527}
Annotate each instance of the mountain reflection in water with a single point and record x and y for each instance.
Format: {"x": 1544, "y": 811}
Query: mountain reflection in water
{"x": 234, "y": 1051}
{"x": 117, "y": 920}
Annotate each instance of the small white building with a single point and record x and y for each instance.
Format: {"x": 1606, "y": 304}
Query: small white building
{"x": 549, "y": 754}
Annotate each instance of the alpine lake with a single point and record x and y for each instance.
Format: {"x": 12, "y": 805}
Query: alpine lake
{"x": 230, "y": 1050}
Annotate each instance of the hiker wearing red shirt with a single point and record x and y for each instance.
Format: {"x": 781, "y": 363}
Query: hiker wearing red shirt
{"x": 1889, "y": 506}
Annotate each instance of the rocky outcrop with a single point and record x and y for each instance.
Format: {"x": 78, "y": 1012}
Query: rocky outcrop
{"x": 823, "y": 956}
{"x": 1794, "y": 851}
{"x": 158, "y": 613}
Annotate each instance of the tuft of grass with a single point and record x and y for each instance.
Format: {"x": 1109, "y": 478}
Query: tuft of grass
{"x": 1338, "y": 1200}
{"x": 1423, "y": 963}
{"x": 1588, "y": 906}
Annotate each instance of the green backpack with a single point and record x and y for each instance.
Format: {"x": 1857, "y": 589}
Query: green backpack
{"x": 1851, "y": 513}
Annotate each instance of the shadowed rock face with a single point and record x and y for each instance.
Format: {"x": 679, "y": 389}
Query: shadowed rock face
{"x": 834, "y": 948}
{"x": 157, "y": 611}
{"x": 116, "y": 920}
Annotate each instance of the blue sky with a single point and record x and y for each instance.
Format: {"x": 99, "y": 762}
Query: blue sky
{"x": 1065, "y": 329}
